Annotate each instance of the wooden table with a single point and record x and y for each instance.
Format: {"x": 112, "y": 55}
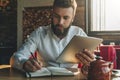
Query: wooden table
{"x": 8, "y": 73}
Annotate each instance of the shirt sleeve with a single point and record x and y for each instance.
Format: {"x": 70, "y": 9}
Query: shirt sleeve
{"x": 82, "y": 33}
{"x": 23, "y": 54}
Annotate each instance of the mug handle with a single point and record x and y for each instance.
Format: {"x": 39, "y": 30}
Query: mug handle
{"x": 84, "y": 69}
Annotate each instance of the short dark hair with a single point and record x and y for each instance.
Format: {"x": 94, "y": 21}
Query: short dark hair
{"x": 63, "y": 3}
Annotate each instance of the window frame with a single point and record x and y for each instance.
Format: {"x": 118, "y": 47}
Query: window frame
{"x": 88, "y": 24}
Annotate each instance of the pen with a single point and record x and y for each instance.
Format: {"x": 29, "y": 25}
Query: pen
{"x": 34, "y": 58}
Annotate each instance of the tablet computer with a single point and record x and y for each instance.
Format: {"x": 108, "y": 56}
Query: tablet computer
{"x": 76, "y": 44}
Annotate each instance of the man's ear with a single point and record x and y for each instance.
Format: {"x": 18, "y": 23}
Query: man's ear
{"x": 75, "y": 6}
{"x": 73, "y": 18}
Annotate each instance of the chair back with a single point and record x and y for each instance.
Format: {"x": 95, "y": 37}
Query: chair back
{"x": 108, "y": 53}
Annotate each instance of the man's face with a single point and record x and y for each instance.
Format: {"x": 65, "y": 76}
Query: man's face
{"x": 61, "y": 21}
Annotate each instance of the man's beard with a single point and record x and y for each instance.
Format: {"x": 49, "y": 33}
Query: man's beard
{"x": 58, "y": 32}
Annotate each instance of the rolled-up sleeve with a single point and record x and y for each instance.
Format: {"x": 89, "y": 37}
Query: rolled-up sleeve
{"x": 23, "y": 53}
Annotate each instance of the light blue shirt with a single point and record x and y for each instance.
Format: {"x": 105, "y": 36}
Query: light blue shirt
{"x": 48, "y": 45}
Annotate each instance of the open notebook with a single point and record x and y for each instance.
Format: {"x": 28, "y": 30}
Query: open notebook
{"x": 50, "y": 71}
{"x": 78, "y": 43}
{"x": 115, "y": 73}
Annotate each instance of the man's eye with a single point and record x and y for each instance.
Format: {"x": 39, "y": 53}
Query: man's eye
{"x": 66, "y": 17}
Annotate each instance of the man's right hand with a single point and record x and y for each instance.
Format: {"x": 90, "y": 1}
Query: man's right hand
{"x": 32, "y": 65}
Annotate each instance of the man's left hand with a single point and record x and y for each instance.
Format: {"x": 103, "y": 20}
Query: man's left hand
{"x": 85, "y": 57}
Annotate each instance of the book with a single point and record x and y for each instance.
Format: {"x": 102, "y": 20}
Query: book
{"x": 115, "y": 73}
{"x": 77, "y": 44}
{"x": 50, "y": 71}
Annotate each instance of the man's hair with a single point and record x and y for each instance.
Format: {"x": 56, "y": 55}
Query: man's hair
{"x": 63, "y": 3}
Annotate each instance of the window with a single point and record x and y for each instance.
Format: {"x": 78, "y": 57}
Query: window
{"x": 104, "y": 15}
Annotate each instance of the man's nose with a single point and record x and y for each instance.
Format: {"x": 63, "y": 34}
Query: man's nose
{"x": 61, "y": 21}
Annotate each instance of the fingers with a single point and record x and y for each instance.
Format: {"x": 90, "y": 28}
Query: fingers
{"x": 32, "y": 65}
{"x": 37, "y": 64}
{"x": 28, "y": 66}
{"x": 85, "y": 57}
{"x": 88, "y": 53}
{"x": 81, "y": 59}
{"x": 84, "y": 69}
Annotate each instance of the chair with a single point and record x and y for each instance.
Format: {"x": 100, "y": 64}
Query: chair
{"x": 108, "y": 53}
{"x": 117, "y": 48}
